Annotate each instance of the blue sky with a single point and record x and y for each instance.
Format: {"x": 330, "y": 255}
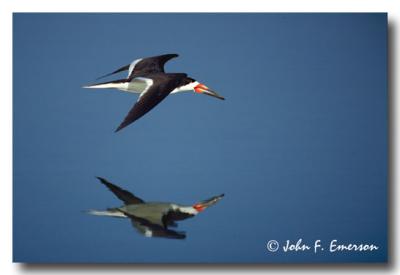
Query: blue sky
{"x": 299, "y": 147}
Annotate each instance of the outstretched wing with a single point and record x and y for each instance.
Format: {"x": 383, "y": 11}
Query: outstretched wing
{"x": 143, "y": 66}
{"x": 149, "y": 65}
{"x": 161, "y": 86}
{"x": 124, "y": 68}
{"x": 126, "y": 196}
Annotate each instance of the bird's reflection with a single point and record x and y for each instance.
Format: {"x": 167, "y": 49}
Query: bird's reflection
{"x": 152, "y": 219}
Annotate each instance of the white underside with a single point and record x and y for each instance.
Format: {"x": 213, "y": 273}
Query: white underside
{"x": 132, "y": 66}
{"x": 140, "y": 85}
{"x": 187, "y": 88}
{"x": 107, "y": 213}
{"x": 185, "y": 209}
{"x": 137, "y": 85}
{"x": 148, "y": 233}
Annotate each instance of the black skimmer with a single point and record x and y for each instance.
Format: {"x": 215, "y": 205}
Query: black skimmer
{"x": 146, "y": 77}
{"x": 152, "y": 219}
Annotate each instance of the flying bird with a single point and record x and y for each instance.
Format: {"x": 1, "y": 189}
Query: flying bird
{"x": 152, "y": 219}
{"x": 146, "y": 77}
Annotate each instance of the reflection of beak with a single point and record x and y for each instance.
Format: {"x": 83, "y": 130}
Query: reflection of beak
{"x": 203, "y": 89}
{"x": 200, "y": 206}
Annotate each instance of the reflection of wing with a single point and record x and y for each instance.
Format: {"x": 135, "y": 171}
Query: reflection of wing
{"x": 163, "y": 85}
{"x": 143, "y": 66}
{"x": 149, "y": 229}
{"x": 126, "y": 196}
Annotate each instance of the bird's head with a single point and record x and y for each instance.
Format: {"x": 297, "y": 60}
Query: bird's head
{"x": 190, "y": 84}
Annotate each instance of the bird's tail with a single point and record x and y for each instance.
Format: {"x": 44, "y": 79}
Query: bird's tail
{"x": 115, "y": 84}
{"x": 111, "y": 212}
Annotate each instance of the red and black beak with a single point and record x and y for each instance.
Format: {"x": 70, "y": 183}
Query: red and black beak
{"x": 203, "y": 89}
{"x": 200, "y": 206}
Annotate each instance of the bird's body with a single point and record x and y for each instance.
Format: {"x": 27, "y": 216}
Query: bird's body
{"x": 147, "y": 78}
{"x": 152, "y": 218}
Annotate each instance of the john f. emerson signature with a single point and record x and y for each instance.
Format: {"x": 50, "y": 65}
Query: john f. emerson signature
{"x": 317, "y": 246}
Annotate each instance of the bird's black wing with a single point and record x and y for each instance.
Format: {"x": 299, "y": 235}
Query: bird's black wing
{"x": 126, "y": 196}
{"x": 141, "y": 67}
{"x": 171, "y": 216}
{"x": 124, "y": 68}
{"x": 150, "y": 65}
{"x": 163, "y": 85}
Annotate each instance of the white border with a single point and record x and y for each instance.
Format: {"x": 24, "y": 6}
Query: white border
{"x": 7, "y": 7}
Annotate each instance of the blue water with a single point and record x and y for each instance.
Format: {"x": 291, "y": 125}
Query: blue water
{"x": 299, "y": 147}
